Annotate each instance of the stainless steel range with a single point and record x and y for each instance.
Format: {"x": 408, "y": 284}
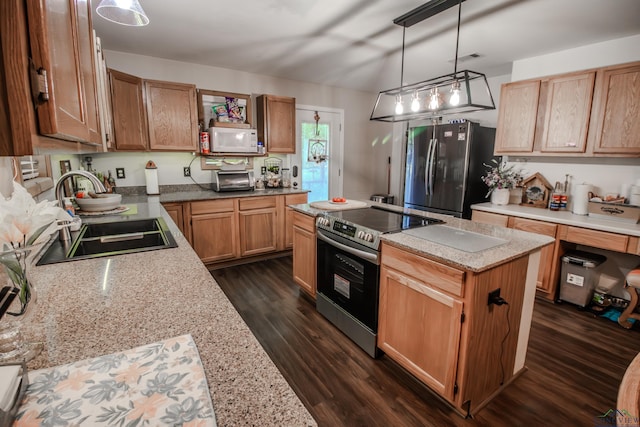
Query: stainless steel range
{"x": 348, "y": 267}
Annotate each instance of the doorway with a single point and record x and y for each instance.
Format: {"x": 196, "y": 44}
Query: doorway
{"x": 319, "y": 151}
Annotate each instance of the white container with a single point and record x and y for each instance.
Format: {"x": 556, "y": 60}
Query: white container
{"x": 151, "y": 177}
{"x": 581, "y": 199}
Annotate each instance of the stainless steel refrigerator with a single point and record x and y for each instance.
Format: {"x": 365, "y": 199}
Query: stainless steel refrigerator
{"x": 444, "y": 166}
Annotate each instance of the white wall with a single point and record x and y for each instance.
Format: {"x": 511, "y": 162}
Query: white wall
{"x": 360, "y": 178}
{"x": 607, "y": 175}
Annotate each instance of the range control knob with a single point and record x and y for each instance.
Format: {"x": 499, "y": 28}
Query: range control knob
{"x": 360, "y": 234}
{"x": 368, "y": 237}
{"x": 323, "y": 221}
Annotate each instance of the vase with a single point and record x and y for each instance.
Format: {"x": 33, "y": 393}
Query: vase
{"x": 14, "y": 347}
{"x": 500, "y": 196}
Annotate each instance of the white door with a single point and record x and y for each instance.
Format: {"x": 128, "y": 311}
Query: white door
{"x": 319, "y": 151}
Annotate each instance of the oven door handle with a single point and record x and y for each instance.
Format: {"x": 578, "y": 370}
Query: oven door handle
{"x": 353, "y": 251}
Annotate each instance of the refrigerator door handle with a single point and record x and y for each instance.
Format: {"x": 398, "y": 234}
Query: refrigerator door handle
{"x": 427, "y": 170}
{"x": 432, "y": 167}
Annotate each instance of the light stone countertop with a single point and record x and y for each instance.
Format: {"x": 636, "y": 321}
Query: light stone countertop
{"x": 561, "y": 217}
{"x": 100, "y": 306}
{"x": 519, "y": 243}
{"x": 190, "y": 193}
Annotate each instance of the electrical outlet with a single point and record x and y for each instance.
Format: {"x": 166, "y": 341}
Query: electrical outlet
{"x": 493, "y": 296}
{"x": 187, "y": 171}
{"x": 120, "y": 173}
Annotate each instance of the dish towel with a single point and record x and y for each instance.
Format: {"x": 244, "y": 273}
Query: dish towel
{"x": 159, "y": 384}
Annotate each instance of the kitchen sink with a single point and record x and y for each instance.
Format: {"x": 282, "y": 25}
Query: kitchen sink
{"x": 95, "y": 240}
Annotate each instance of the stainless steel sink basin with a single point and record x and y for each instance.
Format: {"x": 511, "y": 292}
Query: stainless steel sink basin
{"x": 96, "y": 240}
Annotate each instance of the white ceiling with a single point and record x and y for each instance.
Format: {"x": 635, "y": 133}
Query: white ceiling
{"x": 354, "y": 43}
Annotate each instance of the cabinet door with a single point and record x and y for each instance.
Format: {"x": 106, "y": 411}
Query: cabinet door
{"x": 258, "y": 231}
{"x": 291, "y": 199}
{"x": 172, "y": 116}
{"x": 277, "y": 123}
{"x": 214, "y": 236}
{"x": 567, "y": 112}
{"x": 544, "y": 282}
{"x": 60, "y": 36}
{"x": 129, "y": 121}
{"x": 304, "y": 259}
{"x": 616, "y": 111}
{"x": 175, "y": 212}
{"x": 489, "y": 218}
{"x": 419, "y": 327}
{"x": 517, "y": 117}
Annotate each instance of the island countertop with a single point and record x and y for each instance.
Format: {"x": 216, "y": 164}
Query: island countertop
{"x": 519, "y": 243}
{"x": 94, "y": 307}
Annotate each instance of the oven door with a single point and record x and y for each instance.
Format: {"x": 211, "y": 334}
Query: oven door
{"x": 348, "y": 276}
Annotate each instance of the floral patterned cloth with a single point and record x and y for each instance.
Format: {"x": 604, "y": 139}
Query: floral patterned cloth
{"x": 160, "y": 384}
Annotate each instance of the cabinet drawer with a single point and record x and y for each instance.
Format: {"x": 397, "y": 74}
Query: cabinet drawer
{"x": 249, "y": 203}
{"x": 305, "y": 222}
{"x": 597, "y": 239}
{"x": 295, "y": 199}
{"x": 489, "y": 218}
{"x": 435, "y": 274}
{"x": 634, "y": 245}
{"x": 211, "y": 206}
{"x": 533, "y": 226}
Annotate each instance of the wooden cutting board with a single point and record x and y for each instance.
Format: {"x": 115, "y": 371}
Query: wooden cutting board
{"x": 327, "y": 205}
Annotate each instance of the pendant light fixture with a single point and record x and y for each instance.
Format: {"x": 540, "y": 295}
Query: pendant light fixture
{"x": 125, "y": 12}
{"x": 457, "y": 93}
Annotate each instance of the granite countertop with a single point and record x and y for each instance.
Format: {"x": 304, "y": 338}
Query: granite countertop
{"x": 519, "y": 243}
{"x": 561, "y": 217}
{"x": 94, "y": 307}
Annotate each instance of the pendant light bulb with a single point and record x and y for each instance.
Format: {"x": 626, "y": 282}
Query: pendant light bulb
{"x": 415, "y": 103}
{"x": 434, "y": 99}
{"x": 399, "y": 106}
{"x": 455, "y": 94}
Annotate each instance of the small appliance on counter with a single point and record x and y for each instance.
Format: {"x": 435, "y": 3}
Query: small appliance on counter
{"x": 233, "y": 180}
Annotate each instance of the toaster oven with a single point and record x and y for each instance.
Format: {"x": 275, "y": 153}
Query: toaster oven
{"x": 233, "y": 180}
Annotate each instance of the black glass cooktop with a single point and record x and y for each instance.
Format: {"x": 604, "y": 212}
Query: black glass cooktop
{"x": 382, "y": 220}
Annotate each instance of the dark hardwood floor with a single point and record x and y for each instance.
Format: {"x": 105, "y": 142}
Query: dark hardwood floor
{"x": 575, "y": 362}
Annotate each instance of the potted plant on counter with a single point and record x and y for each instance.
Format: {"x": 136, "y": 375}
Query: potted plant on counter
{"x": 500, "y": 179}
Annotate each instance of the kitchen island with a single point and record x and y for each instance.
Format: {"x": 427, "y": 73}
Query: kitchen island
{"x": 93, "y": 307}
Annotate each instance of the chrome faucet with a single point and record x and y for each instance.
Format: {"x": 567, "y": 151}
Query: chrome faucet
{"x": 97, "y": 186}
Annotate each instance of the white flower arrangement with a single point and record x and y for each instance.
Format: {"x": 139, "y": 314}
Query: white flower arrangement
{"x": 501, "y": 175}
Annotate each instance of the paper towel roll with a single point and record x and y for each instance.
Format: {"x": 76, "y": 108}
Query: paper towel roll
{"x": 581, "y": 199}
{"x": 151, "y": 176}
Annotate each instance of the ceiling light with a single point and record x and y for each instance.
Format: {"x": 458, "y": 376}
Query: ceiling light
{"x": 125, "y": 12}
{"x": 469, "y": 90}
{"x": 415, "y": 102}
{"x": 399, "y": 107}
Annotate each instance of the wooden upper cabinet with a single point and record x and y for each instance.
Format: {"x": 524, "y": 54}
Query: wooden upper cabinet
{"x": 172, "y": 116}
{"x": 277, "y": 123}
{"x": 517, "y": 117}
{"x": 567, "y": 111}
{"x": 129, "y": 120}
{"x": 616, "y": 111}
{"x": 60, "y": 36}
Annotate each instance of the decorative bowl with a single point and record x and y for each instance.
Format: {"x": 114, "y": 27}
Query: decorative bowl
{"x": 105, "y": 202}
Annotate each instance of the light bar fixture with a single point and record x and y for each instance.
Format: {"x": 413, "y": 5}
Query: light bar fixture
{"x": 456, "y": 93}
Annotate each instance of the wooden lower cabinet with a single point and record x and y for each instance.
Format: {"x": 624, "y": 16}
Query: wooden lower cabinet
{"x": 304, "y": 252}
{"x": 435, "y": 322}
{"x": 213, "y": 230}
{"x": 258, "y": 218}
{"x": 234, "y": 228}
{"x": 547, "y": 280}
{"x": 420, "y": 328}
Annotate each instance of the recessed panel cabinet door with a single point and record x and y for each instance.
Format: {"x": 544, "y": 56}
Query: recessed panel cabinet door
{"x": 517, "y": 117}
{"x": 173, "y": 116}
{"x": 258, "y": 231}
{"x": 214, "y": 236}
{"x": 129, "y": 120}
{"x": 616, "y": 111}
{"x": 419, "y": 327}
{"x": 62, "y": 47}
{"x": 568, "y": 107}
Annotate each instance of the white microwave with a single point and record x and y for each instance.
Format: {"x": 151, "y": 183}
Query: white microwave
{"x": 233, "y": 140}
